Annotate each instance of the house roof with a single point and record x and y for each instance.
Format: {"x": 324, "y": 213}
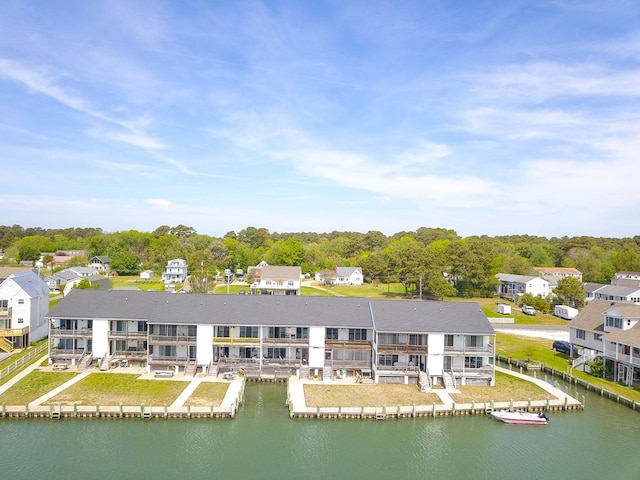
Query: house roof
{"x": 30, "y": 283}
{"x": 590, "y": 287}
{"x": 625, "y": 309}
{"x": 347, "y": 271}
{"x": 430, "y": 316}
{"x": 510, "y": 277}
{"x": 101, "y": 259}
{"x": 66, "y": 275}
{"x": 5, "y": 272}
{"x": 591, "y": 317}
{"x": 630, "y": 336}
{"x": 280, "y": 272}
{"x": 618, "y": 290}
{"x": 348, "y": 312}
{"x": 558, "y": 270}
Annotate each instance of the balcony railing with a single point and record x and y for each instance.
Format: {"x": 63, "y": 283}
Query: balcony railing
{"x": 350, "y": 364}
{"x": 162, "y": 360}
{"x": 117, "y": 334}
{"x": 66, "y": 353}
{"x": 330, "y": 343}
{"x": 236, "y": 341}
{"x": 172, "y": 339}
{"x": 458, "y": 350}
{"x": 285, "y": 341}
{"x": 71, "y": 332}
{"x": 13, "y": 332}
{"x": 5, "y": 311}
{"x": 398, "y": 368}
{"x": 401, "y": 348}
{"x": 130, "y": 354}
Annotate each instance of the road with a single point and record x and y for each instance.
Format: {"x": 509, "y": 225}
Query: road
{"x": 551, "y": 332}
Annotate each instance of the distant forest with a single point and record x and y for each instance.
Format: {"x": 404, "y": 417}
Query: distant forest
{"x": 437, "y": 259}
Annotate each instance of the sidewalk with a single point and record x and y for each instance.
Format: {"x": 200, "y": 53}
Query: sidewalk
{"x": 57, "y": 390}
{"x": 10, "y": 383}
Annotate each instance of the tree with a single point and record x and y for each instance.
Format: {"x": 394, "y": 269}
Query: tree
{"x": 85, "y": 284}
{"x": 28, "y": 253}
{"x": 570, "y": 292}
{"x": 125, "y": 263}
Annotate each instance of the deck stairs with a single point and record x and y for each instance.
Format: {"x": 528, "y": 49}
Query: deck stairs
{"x": 326, "y": 372}
{"x": 6, "y": 345}
{"x": 190, "y": 368}
{"x": 105, "y": 363}
{"x": 85, "y": 361}
{"x": 304, "y": 373}
{"x": 424, "y": 381}
{"x": 448, "y": 380}
{"x": 212, "y": 371}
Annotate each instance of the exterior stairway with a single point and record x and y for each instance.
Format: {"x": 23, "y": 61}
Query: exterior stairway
{"x": 6, "y": 345}
{"x": 191, "y": 368}
{"x": 447, "y": 378}
{"x": 213, "y": 369}
{"x": 85, "y": 361}
{"x": 424, "y": 381}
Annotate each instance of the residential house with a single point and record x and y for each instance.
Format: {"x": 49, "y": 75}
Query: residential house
{"x": 276, "y": 280}
{"x": 511, "y": 286}
{"x": 626, "y": 279}
{"x": 175, "y": 271}
{"x": 385, "y": 340}
{"x": 58, "y": 280}
{"x": 590, "y": 289}
{"x": 610, "y": 330}
{"x": 5, "y": 271}
{"x": 559, "y": 272}
{"x": 100, "y": 262}
{"x": 24, "y": 302}
{"x": 146, "y": 274}
{"x": 615, "y": 293}
{"x": 100, "y": 282}
{"x": 341, "y": 276}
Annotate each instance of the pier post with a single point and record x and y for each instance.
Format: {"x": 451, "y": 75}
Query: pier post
{"x": 566, "y": 401}
{"x": 75, "y": 409}
{"x": 339, "y": 411}
{"x": 165, "y": 410}
{"x": 189, "y": 410}
{"x": 528, "y": 404}
{"x": 98, "y": 410}
{"x": 473, "y": 407}
{"x": 26, "y": 410}
{"x": 511, "y": 404}
{"x": 121, "y": 410}
{"x": 413, "y": 411}
{"x": 433, "y": 409}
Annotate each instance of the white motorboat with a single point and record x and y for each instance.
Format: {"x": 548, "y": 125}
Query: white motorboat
{"x": 521, "y": 417}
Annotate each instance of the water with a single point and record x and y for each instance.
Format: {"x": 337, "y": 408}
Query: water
{"x": 263, "y": 443}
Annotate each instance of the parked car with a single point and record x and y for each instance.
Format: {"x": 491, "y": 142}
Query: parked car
{"x": 527, "y": 310}
{"x": 564, "y": 347}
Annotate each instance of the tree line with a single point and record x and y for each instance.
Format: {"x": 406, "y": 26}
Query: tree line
{"x": 433, "y": 260}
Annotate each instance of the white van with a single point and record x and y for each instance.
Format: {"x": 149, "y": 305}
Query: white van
{"x": 527, "y": 310}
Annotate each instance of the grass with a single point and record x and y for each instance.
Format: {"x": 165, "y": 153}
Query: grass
{"x": 507, "y": 388}
{"x": 133, "y": 282}
{"x": 366, "y": 395}
{"x": 33, "y": 386}
{"x": 207, "y": 394}
{"x": 120, "y": 388}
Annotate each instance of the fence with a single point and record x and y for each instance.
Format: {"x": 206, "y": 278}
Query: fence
{"x": 23, "y": 361}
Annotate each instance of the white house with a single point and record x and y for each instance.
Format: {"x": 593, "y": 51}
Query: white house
{"x": 341, "y": 276}
{"x": 100, "y": 262}
{"x": 512, "y": 286}
{"x": 24, "y": 302}
{"x": 276, "y": 280}
{"x": 146, "y": 274}
{"x": 617, "y": 293}
{"x": 610, "y": 330}
{"x": 175, "y": 271}
{"x": 388, "y": 341}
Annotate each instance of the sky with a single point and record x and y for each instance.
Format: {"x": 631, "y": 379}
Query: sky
{"x": 487, "y": 117}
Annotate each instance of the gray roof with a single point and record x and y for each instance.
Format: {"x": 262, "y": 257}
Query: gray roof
{"x": 591, "y": 317}
{"x": 347, "y": 271}
{"x": 30, "y": 283}
{"x": 591, "y": 287}
{"x": 617, "y": 291}
{"x": 288, "y": 310}
{"x": 430, "y": 316}
{"x": 281, "y": 272}
{"x": 510, "y": 277}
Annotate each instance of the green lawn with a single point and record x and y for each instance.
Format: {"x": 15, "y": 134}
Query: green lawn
{"x": 117, "y": 388}
{"x": 33, "y": 386}
{"x": 133, "y": 282}
{"x": 207, "y": 394}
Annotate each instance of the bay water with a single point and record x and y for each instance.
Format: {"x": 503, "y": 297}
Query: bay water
{"x": 263, "y": 443}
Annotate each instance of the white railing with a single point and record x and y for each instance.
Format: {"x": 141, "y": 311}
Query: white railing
{"x": 24, "y": 360}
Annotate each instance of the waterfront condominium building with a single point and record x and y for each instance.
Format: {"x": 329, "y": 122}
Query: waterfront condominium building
{"x": 423, "y": 342}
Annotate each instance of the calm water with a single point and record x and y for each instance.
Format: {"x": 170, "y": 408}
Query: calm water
{"x": 262, "y": 443}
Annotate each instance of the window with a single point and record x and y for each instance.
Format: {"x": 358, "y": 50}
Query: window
{"x": 356, "y": 334}
{"x": 222, "y": 331}
{"x": 614, "y": 322}
{"x": 302, "y": 332}
{"x": 278, "y": 332}
{"x": 473, "y": 362}
{"x": 388, "y": 338}
{"x": 448, "y": 340}
{"x": 385, "y": 360}
{"x": 597, "y": 337}
{"x": 21, "y": 320}
{"x": 276, "y": 352}
{"x": 331, "y": 334}
{"x": 416, "y": 339}
{"x": 142, "y": 326}
{"x": 447, "y": 362}
{"x": 581, "y": 334}
{"x": 168, "y": 330}
{"x": 167, "y": 350}
{"x": 121, "y": 326}
{"x": 191, "y": 330}
{"x": 248, "y": 332}
{"x": 21, "y": 301}
{"x": 473, "y": 341}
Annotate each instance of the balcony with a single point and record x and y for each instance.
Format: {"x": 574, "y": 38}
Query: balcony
{"x": 285, "y": 341}
{"x": 465, "y": 350}
{"x": 13, "y": 332}
{"x": 402, "y": 348}
{"x": 66, "y": 354}
{"x": 162, "y": 360}
{"x": 172, "y": 339}
{"x": 133, "y": 355}
{"x": 350, "y": 344}
{"x": 122, "y": 335}
{"x": 239, "y": 341}
{"x": 71, "y": 332}
{"x": 5, "y": 311}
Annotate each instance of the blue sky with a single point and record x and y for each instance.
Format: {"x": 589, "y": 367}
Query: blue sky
{"x": 486, "y": 117}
